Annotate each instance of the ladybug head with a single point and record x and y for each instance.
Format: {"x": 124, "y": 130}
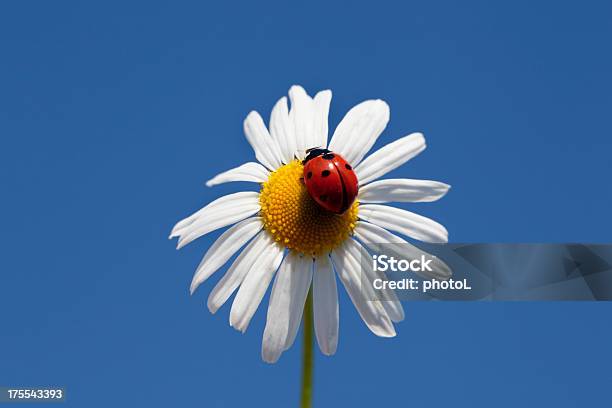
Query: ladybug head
{"x": 314, "y": 152}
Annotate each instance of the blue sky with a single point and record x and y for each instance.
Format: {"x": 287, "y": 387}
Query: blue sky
{"x": 112, "y": 116}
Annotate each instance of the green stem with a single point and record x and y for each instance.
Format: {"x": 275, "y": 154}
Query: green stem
{"x": 307, "y": 354}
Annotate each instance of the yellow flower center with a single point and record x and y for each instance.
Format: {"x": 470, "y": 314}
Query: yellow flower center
{"x": 295, "y": 220}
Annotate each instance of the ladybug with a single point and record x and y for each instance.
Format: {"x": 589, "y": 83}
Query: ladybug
{"x": 330, "y": 180}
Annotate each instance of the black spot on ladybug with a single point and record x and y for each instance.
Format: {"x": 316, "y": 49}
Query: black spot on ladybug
{"x": 323, "y": 197}
{"x": 325, "y": 173}
{"x": 328, "y": 156}
{"x": 348, "y": 166}
{"x": 309, "y": 175}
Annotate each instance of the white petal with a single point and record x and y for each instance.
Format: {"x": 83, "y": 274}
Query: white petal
{"x": 236, "y": 273}
{"x": 221, "y": 202}
{"x": 377, "y": 240}
{"x": 325, "y": 303}
{"x": 304, "y": 267}
{"x": 218, "y": 216}
{"x": 358, "y": 131}
{"x": 402, "y": 190}
{"x": 405, "y": 222}
{"x": 388, "y": 297}
{"x": 265, "y": 147}
{"x": 321, "y": 114}
{"x": 283, "y": 130}
{"x": 224, "y": 247}
{"x": 372, "y": 313}
{"x": 251, "y": 171}
{"x": 255, "y": 285}
{"x": 390, "y": 157}
{"x": 302, "y": 115}
{"x": 286, "y": 305}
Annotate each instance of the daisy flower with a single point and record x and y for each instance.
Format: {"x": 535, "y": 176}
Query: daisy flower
{"x": 288, "y": 237}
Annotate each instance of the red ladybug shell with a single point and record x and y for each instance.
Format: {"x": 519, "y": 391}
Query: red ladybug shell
{"x": 330, "y": 180}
